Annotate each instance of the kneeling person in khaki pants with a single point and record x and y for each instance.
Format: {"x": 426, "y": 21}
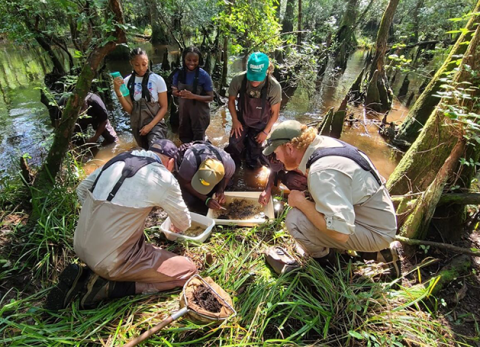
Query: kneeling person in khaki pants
{"x": 117, "y": 199}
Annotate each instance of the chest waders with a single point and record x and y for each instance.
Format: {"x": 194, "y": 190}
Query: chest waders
{"x": 110, "y": 237}
{"x": 194, "y": 115}
{"x": 254, "y": 114}
{"x": 143, "y": 112}
{"x": 346, "y": 151}
{"x": 133, "y": 163}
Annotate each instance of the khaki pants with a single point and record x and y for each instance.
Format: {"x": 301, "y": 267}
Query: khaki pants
{"x": 317, "y": 244}
{"x": 110, "y": 240}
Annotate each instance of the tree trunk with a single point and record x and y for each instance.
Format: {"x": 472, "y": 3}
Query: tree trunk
{"x": 447, "y": 199}
{"x": 416, "y": 225}
{"x": 158, "y": 32}
{"x": 381, "y": 98}
{"x": 332, "y": 123}
{"x": 225, "y": 66}
{"x": 345, "y": 41}
{"x": 425, "y": 104}
{"x": 299, "y": 24}
{"x": 287, "y": 22}
{"x": 362, "y": 15}
{"x": 433, "y": 177}
{"x": 355, "y": 93}
{"x": 423, "y": 160}
{"x": 46, "y": 176}
{"x": 416, "y": 20}
{"x": 58, "y": 66}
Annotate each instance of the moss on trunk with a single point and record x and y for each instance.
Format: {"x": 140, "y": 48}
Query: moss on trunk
{"x": 425, "y": 104}
{"x": 459, "y": 266}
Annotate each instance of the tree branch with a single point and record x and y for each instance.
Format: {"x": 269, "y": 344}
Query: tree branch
{"x": 415, "y": 242}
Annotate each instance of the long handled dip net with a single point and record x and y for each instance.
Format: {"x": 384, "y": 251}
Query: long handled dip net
{"x": 206, "y": 301}
{"x": 202, "y": 300}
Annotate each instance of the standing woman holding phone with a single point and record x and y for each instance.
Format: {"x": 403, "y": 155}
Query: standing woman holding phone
{"x": 147, "y": 103}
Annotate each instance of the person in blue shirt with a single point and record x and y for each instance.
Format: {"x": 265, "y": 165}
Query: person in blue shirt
{"x": 194, "y": 89}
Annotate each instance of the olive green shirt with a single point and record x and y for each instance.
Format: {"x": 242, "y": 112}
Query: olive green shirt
{"x": 274, "y": 92}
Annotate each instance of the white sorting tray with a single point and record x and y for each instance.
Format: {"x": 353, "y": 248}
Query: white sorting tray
{"x": 253, "y": 196}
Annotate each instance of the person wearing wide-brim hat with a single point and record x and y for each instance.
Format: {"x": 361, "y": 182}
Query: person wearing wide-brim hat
{"x": 116, "y": 200}
{"x": 350, "y": 207}
{"x": 254, "y": 104}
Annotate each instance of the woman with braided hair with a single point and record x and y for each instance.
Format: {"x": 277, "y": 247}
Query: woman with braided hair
{"x": 147, "y": 103}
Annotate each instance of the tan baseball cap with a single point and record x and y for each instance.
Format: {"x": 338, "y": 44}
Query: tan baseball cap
{"x": 210, "y": 172}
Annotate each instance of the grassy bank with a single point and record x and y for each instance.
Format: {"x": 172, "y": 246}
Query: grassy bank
{"x": 308, "y": 306}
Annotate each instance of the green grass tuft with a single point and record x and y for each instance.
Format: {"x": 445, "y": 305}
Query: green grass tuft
{"x": 305, "y": 307}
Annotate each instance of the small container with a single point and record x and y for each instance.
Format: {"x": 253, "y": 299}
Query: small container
{"x": 207, "y": 223}
{"x": 123, "y": 87}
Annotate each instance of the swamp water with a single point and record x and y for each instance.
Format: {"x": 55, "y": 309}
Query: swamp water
{"x": 26, "y": 125}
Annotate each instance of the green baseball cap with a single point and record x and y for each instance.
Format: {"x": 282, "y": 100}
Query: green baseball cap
{"x": 257, "y": 67}
{"x": 283, "y": 133}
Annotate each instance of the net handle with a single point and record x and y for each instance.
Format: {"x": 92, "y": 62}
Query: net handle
{"x": 157, "y": 327}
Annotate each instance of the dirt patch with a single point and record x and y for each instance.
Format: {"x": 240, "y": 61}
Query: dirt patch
{"x": 206, "y": 299}
{"x": 155, "y": 217}
{"x": 241, "y": 209}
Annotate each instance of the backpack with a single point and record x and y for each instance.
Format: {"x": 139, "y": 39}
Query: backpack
{"x": 346, "y": 151}
{"x": 189, "y": 145}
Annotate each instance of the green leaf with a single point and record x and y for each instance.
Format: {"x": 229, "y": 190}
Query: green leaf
{"x": 355, "y": 335}
{"x": 453, "y": 32}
